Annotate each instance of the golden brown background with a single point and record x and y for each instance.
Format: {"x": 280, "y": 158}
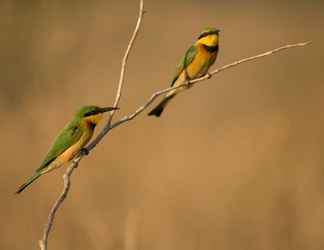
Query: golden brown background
{"x": 235, "y": 163}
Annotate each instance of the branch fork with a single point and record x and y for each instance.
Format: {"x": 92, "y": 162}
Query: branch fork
{"x": 43, "y": 243}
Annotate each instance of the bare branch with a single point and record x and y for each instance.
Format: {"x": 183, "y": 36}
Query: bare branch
{"x": 125, "y": 59}
{"x": 109, "y": 126}
{"x": 192, "y": 82}
{"x": 67, "y": 182}
{"x": 252, "y": 58}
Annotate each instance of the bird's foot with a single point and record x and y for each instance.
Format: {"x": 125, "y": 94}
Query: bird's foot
{"x": 208, "y": 75}
{"x": 189, "y": 84}
{"x": 84, "y": 151}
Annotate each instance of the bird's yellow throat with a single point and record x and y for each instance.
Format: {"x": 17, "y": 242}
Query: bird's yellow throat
{"x": 210, "y": 40}
{"x": 94, "y": 119}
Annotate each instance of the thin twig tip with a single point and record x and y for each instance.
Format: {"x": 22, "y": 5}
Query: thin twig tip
{"x": 304, "y": 43}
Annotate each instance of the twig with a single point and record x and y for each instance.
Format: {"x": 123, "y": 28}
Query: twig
{"x": 252, "y": 58}
{"x": 109, "y": 126}
{"x": 67, "y": 182}
{"x": 156, "y": 94}
{"x": 125, "y": 59}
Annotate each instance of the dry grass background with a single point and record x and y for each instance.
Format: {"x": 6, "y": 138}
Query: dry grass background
{"x": 235, "y": 163}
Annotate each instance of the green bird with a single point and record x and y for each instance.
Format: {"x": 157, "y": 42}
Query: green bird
{"x": 72, "y": 138}
{"x": 194, "y": 64}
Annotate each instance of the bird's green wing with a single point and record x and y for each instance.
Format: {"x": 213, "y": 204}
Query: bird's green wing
{"x": 184, "y": 62}
{"x": 69, "y": 135}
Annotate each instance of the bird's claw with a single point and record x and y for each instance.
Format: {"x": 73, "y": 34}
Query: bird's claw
{"x": 84, "y": 151}
{"x": 208, "y": 75}
{"x": 189, "y": 84}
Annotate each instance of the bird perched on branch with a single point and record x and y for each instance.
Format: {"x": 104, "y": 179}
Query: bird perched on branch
{"x": 70, "y": 141}
{"x": 194, "y": 64}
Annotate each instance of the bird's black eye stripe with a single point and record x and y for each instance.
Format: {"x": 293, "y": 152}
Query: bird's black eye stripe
{"x": 207, "y": 34}
{"x": 203, "y": 35}
{"x": 93, "y": 112}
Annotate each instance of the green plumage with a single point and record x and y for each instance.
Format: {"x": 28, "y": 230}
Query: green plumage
{"x": 29, "y": 181}
{"x": 68, "y": 136}
{"x": 188, "y": 57}
{"x": 195, "y": 63}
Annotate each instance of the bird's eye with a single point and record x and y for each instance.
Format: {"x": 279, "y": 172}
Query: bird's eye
{"x": 202, "y": 35}
{"x": 90, "y": 113}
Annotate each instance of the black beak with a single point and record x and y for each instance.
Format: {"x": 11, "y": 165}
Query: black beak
{"x": 107, "y": 109}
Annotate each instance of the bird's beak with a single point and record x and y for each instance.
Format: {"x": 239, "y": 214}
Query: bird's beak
{"x": 106, "y": 109}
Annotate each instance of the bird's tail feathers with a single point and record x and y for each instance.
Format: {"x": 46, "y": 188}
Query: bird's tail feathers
{"x": 28, "y": 182}
{"x": 157, "y": 111}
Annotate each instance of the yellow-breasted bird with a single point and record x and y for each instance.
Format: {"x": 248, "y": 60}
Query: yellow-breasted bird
{"x": 72, "y": 138}
{"x": 194, "y": 64}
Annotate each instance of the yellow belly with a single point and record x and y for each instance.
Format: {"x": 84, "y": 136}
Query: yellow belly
{"x": 198, "y": 66}
{"x": 195, "y": 69}
{"x": 68, "y": 154}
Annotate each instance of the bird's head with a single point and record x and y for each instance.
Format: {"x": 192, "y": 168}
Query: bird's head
{"x": 92, "y": 114}
{"x": 209, "y": 37}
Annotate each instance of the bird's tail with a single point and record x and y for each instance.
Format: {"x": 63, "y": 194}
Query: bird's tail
{"x": 28, "y": 182}
{"x": 157, "y": 111}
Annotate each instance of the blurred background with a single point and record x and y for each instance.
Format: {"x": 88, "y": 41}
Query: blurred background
{"x": 234, "y": 163}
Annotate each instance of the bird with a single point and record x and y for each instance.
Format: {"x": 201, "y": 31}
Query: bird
{"x": 70, "y": 141}
{"x": 194, "y": 64}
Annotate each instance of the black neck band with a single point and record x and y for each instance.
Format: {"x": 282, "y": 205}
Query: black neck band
{"x": 210, "y": 48}
{"x": 92, "y": 125}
